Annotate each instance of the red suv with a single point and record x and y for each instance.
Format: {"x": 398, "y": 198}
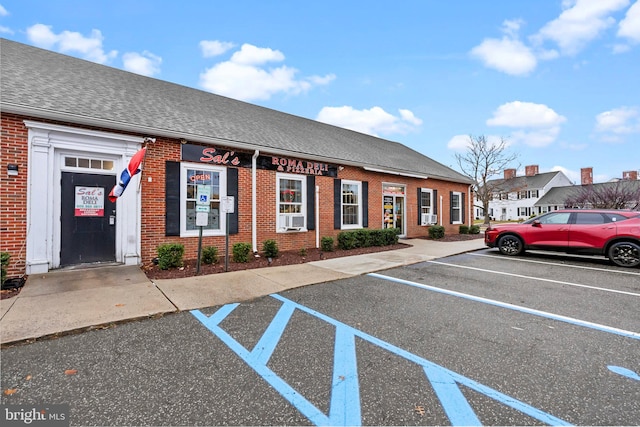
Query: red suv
{"x": 612, "y": 233}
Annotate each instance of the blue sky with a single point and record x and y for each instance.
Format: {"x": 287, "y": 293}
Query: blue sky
{"x": 558, "y": 79}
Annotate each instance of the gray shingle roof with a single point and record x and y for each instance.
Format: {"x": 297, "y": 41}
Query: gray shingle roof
{"x": 52, "y": 85}
{"x": 556, "y": 196}
{"x": 519, "y": 183}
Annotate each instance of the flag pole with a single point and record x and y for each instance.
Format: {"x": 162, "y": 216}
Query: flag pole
{"x": 146, "y": 144}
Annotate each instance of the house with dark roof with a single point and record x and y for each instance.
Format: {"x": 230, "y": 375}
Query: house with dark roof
{"x": 515, "y": 197}
{"x": 560, "y": 197}
{"x": 69, "y": 127}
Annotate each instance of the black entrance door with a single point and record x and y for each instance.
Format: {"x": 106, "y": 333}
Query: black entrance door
{"x": 88, "y": 227}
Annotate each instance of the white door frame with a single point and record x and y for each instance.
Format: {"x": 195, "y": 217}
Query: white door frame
{"x": 48, "y": 145}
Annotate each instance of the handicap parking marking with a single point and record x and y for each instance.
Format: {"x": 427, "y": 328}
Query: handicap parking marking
{"x": 344, "y": 405}
{"x": 624, "y": 372}
{"x": 548, "y": 315}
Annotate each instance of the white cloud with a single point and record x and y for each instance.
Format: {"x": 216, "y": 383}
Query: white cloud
{"x": 373, "y": 121}
{"x": 89, "y": 48}
{"x": 462, "y": 142}
{"x": 536, "y": 124}
{"x": 253, "y": 55}
{"x": 629, "y": 27}
{"x": 508, "y": 54}
{"x": 619, "y": 121}
{"x": 3, "y": 11}
{"x": 580, "y": 22}
{"x": 211, "y": 48}
{"x": 246, "y": 77}
{"x": 145, "y": 63}
{"x": 525, "y": 114}
{"x": 537, "y": 137}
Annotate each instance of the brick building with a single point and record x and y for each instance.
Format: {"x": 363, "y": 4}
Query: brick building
{"x": 70, "y": 126}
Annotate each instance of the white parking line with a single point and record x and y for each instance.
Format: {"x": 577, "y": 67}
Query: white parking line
{"x": 559, "y": 282}
{"x": 555, "y": 263}
{"x": 546, "y": 314}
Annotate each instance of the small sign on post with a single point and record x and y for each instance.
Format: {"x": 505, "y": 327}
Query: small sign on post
{"x": 227, "y": 204}
{"x": 203, "y": 192}
{"x": 202, "y": 220}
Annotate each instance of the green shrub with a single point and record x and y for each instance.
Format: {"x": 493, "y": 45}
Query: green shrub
{"x": 391, "y": 236}
{"x": 365, "y": 237}
{"x": 474, "y": 229}
{"x": 347, "y": 240}
{"x": 170, "y": 255}
{"x": 326, "y": 244}
{"x": 464, "y": 229}
{"x": 4, "y": 258}
{"x": 241, "y": 252}
{"x": 436, "y": 232}
{"x": 209, "y": 255}
{"x": 302, "y": 252}
{"x": 270, "y": 248}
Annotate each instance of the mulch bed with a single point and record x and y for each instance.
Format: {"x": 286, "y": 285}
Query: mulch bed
{"x": 284, "y": 258}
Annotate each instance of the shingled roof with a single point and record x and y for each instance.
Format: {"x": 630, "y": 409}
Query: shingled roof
{"x": 520, "y": 183}
{"x": 50, "y": 85}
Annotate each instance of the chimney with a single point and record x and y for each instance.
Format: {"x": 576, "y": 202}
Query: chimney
{"x": 509, "y": 173}
{"x": 630, "y": 175}
{"x": 531, "y": 170}
{"x": 586, "y": 176}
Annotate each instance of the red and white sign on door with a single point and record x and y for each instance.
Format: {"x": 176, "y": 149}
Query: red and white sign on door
{"x": 89, "y": 201}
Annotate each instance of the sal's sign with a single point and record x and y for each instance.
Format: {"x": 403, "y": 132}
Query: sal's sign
{"x": 299, "y": 166}
{"x": 222, "y": 157}
{"x": 215, "y": 156}
{"x": 89, "y": 201}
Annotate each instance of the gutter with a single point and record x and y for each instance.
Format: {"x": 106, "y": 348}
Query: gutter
{"x": 254, "y": 220}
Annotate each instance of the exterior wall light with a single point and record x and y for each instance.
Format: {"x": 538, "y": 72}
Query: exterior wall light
{"x": 12, "y": 169}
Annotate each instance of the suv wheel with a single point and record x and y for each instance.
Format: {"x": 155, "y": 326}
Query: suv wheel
{"x": 510, "y": 245}
{"x": 625, "y": 254}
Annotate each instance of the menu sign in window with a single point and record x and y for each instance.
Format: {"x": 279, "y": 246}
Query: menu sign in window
{"x": 89, "y": 201}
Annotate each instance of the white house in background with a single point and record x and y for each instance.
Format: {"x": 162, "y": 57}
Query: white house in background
{"x": 515, "y": 197}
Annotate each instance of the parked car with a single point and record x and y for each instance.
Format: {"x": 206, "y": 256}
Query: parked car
{"x": 611, "y": 233}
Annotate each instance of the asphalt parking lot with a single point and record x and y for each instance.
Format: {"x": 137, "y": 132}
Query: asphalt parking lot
{"x": 473, "y": 339}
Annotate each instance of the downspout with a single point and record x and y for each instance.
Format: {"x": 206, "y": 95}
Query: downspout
{"x": 317, "y": 216}
{"x": 254, "y": 220}
{"x": 470, "y": 210}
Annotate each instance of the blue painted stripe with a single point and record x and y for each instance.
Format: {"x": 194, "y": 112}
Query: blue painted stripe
{"x": 571, "y": 320}
{"x": 345, "y": 389}
{"x": 217, "y": 317}
{"x": 624, "y": 372}
{"x": 263, "y": 350}
{"x": 487, "y": 391}
{"x": 289, "y": 393}
{"x": 453, "y": 401}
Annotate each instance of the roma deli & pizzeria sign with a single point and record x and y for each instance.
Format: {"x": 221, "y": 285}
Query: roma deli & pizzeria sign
{"x": 221, "y": 157}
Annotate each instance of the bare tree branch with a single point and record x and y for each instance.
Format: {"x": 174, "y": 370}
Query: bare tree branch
{"x": 614, "y": 195}
{"x": 482, "y": 161}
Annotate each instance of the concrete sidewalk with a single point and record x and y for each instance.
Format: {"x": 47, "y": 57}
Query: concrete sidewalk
{"x": 70, "y": 300}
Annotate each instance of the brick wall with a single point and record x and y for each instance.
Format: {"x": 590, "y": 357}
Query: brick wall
{"x": 13, "y": 193}
{"x": 13, "y": 209}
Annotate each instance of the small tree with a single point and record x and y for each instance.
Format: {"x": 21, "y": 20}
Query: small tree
{"x": 609, "y": 195}
{"x": 481, "y": 161}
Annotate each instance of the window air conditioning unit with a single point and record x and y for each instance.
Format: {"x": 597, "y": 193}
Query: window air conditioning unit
{"x": 291, "y": 222}
{"x": 428, "y": 219}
